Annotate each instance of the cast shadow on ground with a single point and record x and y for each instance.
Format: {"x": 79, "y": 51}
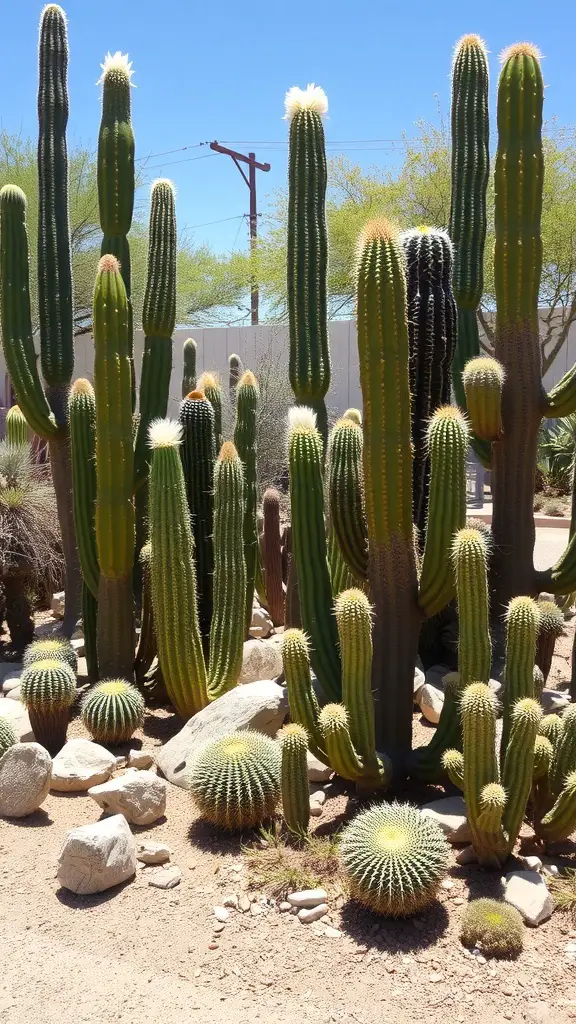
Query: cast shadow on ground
{"x": 210, "y": 839}
{"x": 78, "y": 902}
{"x": 38, "y": 819}
{"x": 401, "y": 935}
{"x": 162, "y": 727}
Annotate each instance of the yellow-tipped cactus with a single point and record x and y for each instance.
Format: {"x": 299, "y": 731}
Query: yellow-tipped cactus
{"x": 483, "y": 380}
{"x": 295, "y": 790}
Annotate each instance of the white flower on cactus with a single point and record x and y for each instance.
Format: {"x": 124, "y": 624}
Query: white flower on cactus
{"x": 300, "y": 417}
{"x": 116, "y": 63}
{"x": 164, "y": 433}
{"x": 311, "y": 98}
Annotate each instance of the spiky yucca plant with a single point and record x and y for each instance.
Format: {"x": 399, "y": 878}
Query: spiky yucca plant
{"x": 235, "y": 779}
{"x": 112, "y": 711}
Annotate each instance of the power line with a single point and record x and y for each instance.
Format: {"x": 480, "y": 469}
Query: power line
{"x": 208, "y": 223}
{"x": 186, "y": 160}
{"x": 168, "y": 152}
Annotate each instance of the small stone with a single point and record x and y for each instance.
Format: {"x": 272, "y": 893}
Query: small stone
{"x": 244, "y": 903}
{"x": 507, "y": 990}
{"x": 10, "y": 683}
{"x": 139, "y": 795}
{"x": 571, "y": 948}
{"x": 551, "y": 869}
{"x": 14, "y": 693}
{"x": 419, "y": 680}
{"x": 467, "y": 856}
{"x": 57, "y": 605}
{"x": 309, "y": 914}
{"x": 140, "y": 759}
{"x": 435, "y": 977}
{"x": 219, "y": 927}
{"x": 527, "y": 891}
{"x": 317, "y": 771}
{"x": 447, "y": 884}
{"x": 332, "y": 933}
{"x": 431, "y": 702}
{"x": 307, "y": 898}
{"x": 459, "y": 901}
{"x": 261, "y": 625}
{"x": 25, "y": 774}
{"x": 553, "y": 701}
{"x": 120, "y": 762}
{"x": 316, "y": 810}
{"x": 532, "y": 863}
{"x": 98, "y": 856}
{"x": 449, "y": 813}
{"x": 81, "y": 764}
{"x": 284, "y": 906}
{"x": 166, "y": 878}
{"x": 221, "y": 914}
{"x": 152, "y": 853}
{"x": 256, "y": 909}
{"x": 212, "y": 945}
{"x": 231, "y": 901}
{"x": 318, "y": 797}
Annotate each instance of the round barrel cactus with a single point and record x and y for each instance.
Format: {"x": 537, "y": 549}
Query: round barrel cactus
{"x": 7, "y": 735}
{"x": 112, "y": 711}
{"x": 235, "y": 779}
{"x": 51, "y": 647}
{"x": 48, "y": 690}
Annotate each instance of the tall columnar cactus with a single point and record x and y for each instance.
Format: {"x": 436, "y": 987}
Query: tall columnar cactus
{"x": 16, "y": 426}
{"x": 432, "y": 335}
{"x": 45, "y": 410}
{"x": 307, "y": 262}
{"x": 470, "y": 169}
{"x": 198, "y": 453}
{"x": 272, "y": 556}
{"x": 295, "y": 790}
{"x": 550, "y": 628}
{"x": 522, "y": 622}
{"x": 115, "y": 534}
{"x": 158, "y": 319}
{"x": 245, "y": 440}
{"x": 235, "y": 371}
{"x": 82, "y": 413}
{"x": 345, "y": 481}
{"x": 115, "y": 170}
{"x": 210, "y": 385}
{"x": 189, "y": 352}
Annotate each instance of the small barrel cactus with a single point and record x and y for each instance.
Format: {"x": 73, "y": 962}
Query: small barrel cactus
{"x": 495, "y": 927}
{"x": 235, "y": 779}
{"x": 7, "y": 735}
{"x": 395, "y": 858}
{"x": 295, "y": 790}
{"x": 51, "y": 647}
{"x": 112, "y": 711}
{"x": 48, "y": 690}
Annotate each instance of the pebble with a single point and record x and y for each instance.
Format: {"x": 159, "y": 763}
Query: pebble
{"x": 447, "y": 883}
{"x": 221, "y": 914}
{"x": 551, "y": 869}
{"x": 435, "y": 977}
{"x": 318, "y": 797}
{"x": 571, "y": 948}
{"x": 284, "y": 906}
{"x": 315, "y": 809}
{"x": 219, "y": 927}
{"x": 244, "y": 903}
{"x": 231, "y": 901}
{"x": 307, "y": 897}
{"x": 309, "y": 914}
{"x": 332, "y": 933}
{"x": 235, "y": 867}
{"x": 507, "y": 990}
{"x": 256, "y": 909}
{"x": 212, "y": 945}
{"x": 459, "y": 901}
{"x": 149, "y": 852}
{"x": 140, "y": 759}
{"x": 532, "y": 863}
{"x": 166, "y": 878}
{"x": 467, "y": 856}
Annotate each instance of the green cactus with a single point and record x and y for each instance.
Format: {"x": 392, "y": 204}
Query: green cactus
{"x": 198, "y": 454}
{"x": 147, "y": 649}
{"x": 354, "y": 621}
{"x": 112, "y": 711}
{"x": 354, "y": 415}
{"x": 560, "y": 821}
{"x": 309, "y": 546}
{"x": 522, "y": 620}
{"x": 551, "y": 627}
{"x": 16, "y": 426}
{"x": 82, "y": 412}
{"x": 158, "y": 319}
{"x": 470, "y": 169}
{"x": 235, "y": 779}
{"x": 90, "y": 632}
{"x": 210, "y": 385}
{"x": 189, "y": 353}
{"x": 115, "y": 532}
{"x": 483, "y": 380}
{"x": 235, "y": 371}
{"x": 494, "y": 927}
{"x": 395, "y": 859}
{"x": 7, "y": 735}
{"x": 341, "y": 577}
{"x": 173, "y": 574}
{"x": 247, "y": 395}
{"x": 295, "y": 790}
{"x": 56, "y": 648}
{"x": 304, "y": 707}
{"x": 432, "y": 335}
{"x": 345, "y": 481}
{"x": 272, "y": 556}
{"x": 564, "y": 761}
{"x": 48, "y": 690}
{"x": 307, "y": 255}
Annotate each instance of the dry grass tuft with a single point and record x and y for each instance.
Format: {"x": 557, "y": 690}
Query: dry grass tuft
{"x": 279, "y": 865}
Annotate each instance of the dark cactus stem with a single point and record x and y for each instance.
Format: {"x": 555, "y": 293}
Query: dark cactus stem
{"x": 115, "y": 170}
{"x": 292, "y": 616}
{"x": 147, "y": 648}
{"x": 19, "y": 613}
{"x": 55, "y": 293}
{"x": 82, "y": 414}
{"x": 518, "y": 182}
{"x": 272, "y": 556}
{"x": 198, "y": 454}
{"x": 307, "y": 260}
{"x": 470, "y": 170}
{"x": 158, "y": 320}
{"x": 189, "y": 352}
{"x": 432, "y": 334}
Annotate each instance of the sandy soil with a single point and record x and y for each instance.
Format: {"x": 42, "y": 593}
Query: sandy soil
{"x": 139, "y": 954}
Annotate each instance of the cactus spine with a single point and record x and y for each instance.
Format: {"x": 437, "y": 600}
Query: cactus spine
{"x": 158, "y": 319}
{"x": 189, "y": 352}
{"x": 210, "y": 386}
{"x": 82, "y": 414}
{"x": 307, "y": 257}
{"x": 432, "y": 334}
{"x": 16, "y": 426}
{"x": 235, "y": 371}
{"x": 522, "y": 620}
{"x": 272, "y": 556}
{"x": 245, "y": 441}
{"x": 345, "y": 481}
{"x": 48, "y": 690}
{"x": 198, "y": 453}
{"x": 295, "y": 791}
{"x": 115, "y": 534}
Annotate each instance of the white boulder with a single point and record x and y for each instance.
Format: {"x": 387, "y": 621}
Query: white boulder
{"x": 261, "y": 625}
{"x": 317, "y": 771}
{"x": 139, "y": 795}
{"x": 81, "y": 764}
{"x": 25, "y": 773}
{"x": 431, "y": 702}
{"x": 98, "y": 856}
{"x": 450, "y": 814}
{"x": 528, "y": 892}
{"x": 262, "y": 659}
{"x": 17, "y": 715}
{"x": 57, "y": 605}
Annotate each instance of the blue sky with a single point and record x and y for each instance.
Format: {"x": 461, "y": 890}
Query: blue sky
{"x": 221, "y": 69}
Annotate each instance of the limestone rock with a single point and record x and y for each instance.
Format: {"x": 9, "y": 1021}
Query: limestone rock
{"x": 57, "y": 605}
{"x": 81, "y": 764}
{"x": 17, "y": 715}
{"x": 435, "y": 676}
{"x": 166, "y": 878}
{"x": 262, "y": 659}
{"x": 419, "y": 680}
{"x": 310, "y": 914}
{"x": 262, "y": 705}
{"x": 307, "y": 898}
{"x": 554, "y": 701}
{"x": 449, "y": 813}
{"x": 149, "y": 852}
{"x": 98, "y": 856}
{"x": 139, "y": 796}
{"x": 140, "y": 759}
{"x": 261, "y": 625}
{"x": 11, "y": 682}
{"x": 318, "y": 772}
{"x": 528, "y": 892}
{"x": 25, "y": 773}
{"x": 13, "y": 693}
{"x": 431, "y": 702}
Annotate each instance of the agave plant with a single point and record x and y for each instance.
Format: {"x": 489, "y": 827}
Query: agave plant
{"x": 30, "y": 547}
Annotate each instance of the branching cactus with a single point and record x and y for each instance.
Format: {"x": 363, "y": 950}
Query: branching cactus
{"x": 295, "y": 790}
{"x": 307, "y": 256}
{"x": 45, "y": 410}
{"x": 247, "y": 395}
{"x": 17, "y": 430}
{"x": 115, "y": 533}
{"x": 198, "y": 454}
{"x": 554, "y": 793}
{"x": 189, "y": 353}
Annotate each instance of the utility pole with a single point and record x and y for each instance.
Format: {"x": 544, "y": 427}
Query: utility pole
{"x": 250, "y": 179}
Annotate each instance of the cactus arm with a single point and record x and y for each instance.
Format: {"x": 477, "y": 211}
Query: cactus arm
{"x": 198, "y": 454}
{"x": 448, "y": 446}
{"x": 272, "y": 556}
{"x": 342, "y": 757}
{"x": 483, "y": 382}
{"x": 354, "y": 620}
{"x": 304, "y": 707}
{"x": 295, "y": 790}
{"x": 309, "y": 548}
{"x": 426, "y": 762}
{"x": 245, "y": 441}
{"x": 561, "y": 577}
{"x": 16, "y": 321}
{"x": 561, "y": 400}
{"x": 189, "y": 352}
{"x": 453, "y": 765}
{"x": 560, "y": 821}
{"x": 564, "y": 761}
{"x": 227, "y": 630}
{"x": 480, "y": 765}
{"x": 158, "y": 319}
{"x": 173, "y": 575}
{"x": 211, "y": 388}
{"x": 518, "y": 764}
{"x": 82, "y": 414}
{"x": 522, "y": 619}
{"x": 346, "y": 494}
{"x": 17, "y": 430}
{"x": 470, "y": 566}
